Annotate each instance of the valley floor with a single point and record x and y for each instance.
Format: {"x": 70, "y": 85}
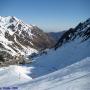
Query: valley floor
{"x": 73, "y": 77}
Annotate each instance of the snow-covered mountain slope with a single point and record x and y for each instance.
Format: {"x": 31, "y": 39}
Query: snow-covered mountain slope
{"x": 48, "y": 63}
{"x": 82, "y": 30}
{"x": 73, "y": 49}
{"x": 73, "y": 77}
{"x": 68, "y": 54}
{"x": 18, "y": 38}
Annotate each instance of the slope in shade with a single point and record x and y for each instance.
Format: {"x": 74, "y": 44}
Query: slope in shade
{"x": 66, "y": 55}
{"x": 73, "y": 46}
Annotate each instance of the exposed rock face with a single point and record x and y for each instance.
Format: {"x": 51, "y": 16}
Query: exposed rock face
{"x": 41, "y": 39}
{"x": 82, "y": 30}
{"x": 16, "y": 37}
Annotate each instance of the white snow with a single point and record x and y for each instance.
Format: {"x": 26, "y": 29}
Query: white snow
{"x": 74, "y": 77}
{"x": 26, "y": 50}
{"x": 14, "y": 74}
{"x": 5, "y": 43}
{"x": 55, "y": 65}
{"x": 5, "y": 22}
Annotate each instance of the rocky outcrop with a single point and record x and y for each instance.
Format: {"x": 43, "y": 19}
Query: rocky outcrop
{"x": 82, "y": 30}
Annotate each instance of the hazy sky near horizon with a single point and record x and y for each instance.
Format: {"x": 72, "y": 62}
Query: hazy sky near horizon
{"x": 50, "y": 15}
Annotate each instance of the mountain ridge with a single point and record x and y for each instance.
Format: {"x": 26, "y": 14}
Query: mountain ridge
{"x": 82, "y": 30}
{"x": 20, "y": 39}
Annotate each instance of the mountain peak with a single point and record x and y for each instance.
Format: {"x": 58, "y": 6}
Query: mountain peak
{"x": 88, "y": 21}
{"x": 8, "y": 17}
{"x": 19, "y": 37}
{"x": 8, "y": 20}
{"x": 81, "y": 31}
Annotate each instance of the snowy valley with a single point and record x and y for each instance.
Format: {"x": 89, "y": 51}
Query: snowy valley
{"x": 64, "y": 65}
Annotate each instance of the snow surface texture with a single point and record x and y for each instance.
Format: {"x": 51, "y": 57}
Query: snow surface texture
{"x": 14, "y": 74}
{"x": 73, "y": 77}
{"x": 62, "y": 57}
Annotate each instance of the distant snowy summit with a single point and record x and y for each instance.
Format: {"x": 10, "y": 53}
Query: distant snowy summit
{"x": 18, "y": 38}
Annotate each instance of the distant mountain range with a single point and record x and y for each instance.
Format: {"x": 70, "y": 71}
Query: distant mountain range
{"x": 56, "y": 35}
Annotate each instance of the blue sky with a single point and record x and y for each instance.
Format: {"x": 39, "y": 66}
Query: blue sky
{"x": 50, "y": 15}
